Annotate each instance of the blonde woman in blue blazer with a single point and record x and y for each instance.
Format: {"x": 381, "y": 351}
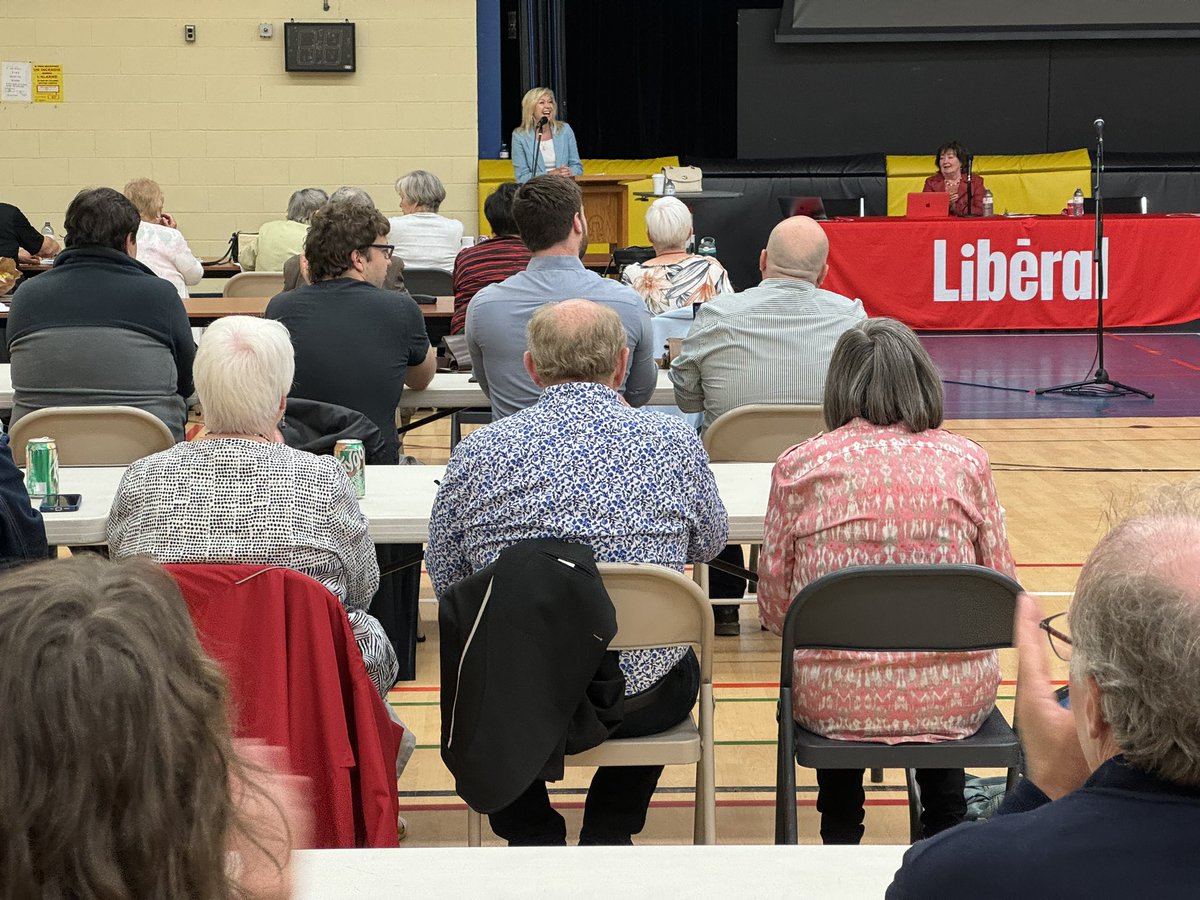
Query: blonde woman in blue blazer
{"x": 543, "y": 145}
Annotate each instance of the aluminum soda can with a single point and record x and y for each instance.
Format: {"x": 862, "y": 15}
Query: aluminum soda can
{"x": 41, "y": 467}
{"x": 353, "y": 457}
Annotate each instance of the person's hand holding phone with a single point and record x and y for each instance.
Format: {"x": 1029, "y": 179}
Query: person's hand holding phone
{"x": 1053, "y": 758}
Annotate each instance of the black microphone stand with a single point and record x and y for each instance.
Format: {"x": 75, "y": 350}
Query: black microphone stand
{"x": 1099, "y": 385}
{"x": 537, "y": 150}
{"x": 970, "y": 200}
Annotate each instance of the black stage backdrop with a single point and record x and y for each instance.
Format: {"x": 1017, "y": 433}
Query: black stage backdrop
{"x": 994, "y": 96}
{"x": 648, "y": 78}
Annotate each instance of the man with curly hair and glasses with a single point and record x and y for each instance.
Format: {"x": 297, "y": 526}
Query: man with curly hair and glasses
{"x": 1110, "y": 801}
{"x": 357, "y": 345}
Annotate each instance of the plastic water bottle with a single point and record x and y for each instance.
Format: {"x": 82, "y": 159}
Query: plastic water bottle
{"x": 989, "y": 203}
{"x": 1077, "y": 202}
{"x": 48, "y": 230}
{"x": 504, "y": 151}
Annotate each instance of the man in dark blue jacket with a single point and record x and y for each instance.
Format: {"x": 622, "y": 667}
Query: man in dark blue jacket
{"x": 22, "y": 534}
{"x": 1110, "y": 804}
{"x": 100, "y": 328}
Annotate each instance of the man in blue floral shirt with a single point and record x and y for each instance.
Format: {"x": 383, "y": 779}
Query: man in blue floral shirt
{"x": 580, "y": 465}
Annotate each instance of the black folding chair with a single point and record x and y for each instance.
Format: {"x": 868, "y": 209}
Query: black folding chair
{"x": 434, "y": 282}
{"x": 894, "y": 608}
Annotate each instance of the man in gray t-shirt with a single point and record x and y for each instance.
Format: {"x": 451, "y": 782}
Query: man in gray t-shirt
{"x": 549, "y": 214}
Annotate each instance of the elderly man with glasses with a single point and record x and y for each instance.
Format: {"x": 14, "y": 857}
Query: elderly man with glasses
{"x": 1110, "y": 803}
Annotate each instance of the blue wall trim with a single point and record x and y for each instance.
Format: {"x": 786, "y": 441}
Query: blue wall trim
{"x": 487, "y": 44}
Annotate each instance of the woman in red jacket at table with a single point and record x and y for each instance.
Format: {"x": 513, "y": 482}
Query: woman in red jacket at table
{"x": 950, "y": 160}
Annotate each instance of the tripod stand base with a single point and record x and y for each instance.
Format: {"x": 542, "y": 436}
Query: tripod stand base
{"x": 1099, "y": 385}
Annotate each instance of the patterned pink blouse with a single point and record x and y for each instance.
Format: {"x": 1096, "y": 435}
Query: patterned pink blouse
{"x": 865, "y": 495}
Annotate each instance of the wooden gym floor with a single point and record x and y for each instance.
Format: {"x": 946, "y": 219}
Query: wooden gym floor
{"x": 1057, "y": 479}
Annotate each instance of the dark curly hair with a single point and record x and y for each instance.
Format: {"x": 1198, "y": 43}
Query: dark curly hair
{"x": 116, "y": 760}
{"x": 335, "y": 231}
{"x": 101, "y": 216}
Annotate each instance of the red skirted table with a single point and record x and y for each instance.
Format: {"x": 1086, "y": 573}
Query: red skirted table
{"x": 1020, "y": 272}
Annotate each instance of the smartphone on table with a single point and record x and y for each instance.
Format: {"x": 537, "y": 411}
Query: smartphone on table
{"x": 61, "y": 503}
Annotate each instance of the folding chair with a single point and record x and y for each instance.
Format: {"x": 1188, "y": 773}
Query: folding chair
{"x": 894, "y": 608}
{"x": 434, "y": 282}
{"x": 93, "y": 435}
{"x": 254, "y": 284}
{"x": 658, "y": 607}
{"x": 759, "y": 432}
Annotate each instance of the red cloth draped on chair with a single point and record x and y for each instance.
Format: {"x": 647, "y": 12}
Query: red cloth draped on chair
{"x": 297, "y": 681}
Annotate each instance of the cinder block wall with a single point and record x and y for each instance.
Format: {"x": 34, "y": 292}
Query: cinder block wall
{"x": 219, "y": 123}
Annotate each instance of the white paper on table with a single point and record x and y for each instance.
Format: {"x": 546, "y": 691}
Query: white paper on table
{"x": 16, "y": 82}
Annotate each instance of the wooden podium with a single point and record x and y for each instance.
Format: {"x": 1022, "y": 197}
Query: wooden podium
{"x": 606, "y": 205}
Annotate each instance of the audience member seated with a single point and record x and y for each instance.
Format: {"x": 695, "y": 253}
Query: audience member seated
{"x": 280, "y": 239}
{"x": 160, "y": 246}
{"x": 581, "y": 466}
{"x": 295, "y": 272}
{"x": 357, "y": 345}
{"x": 886, "y": 484}
{"x": 424, "y": 239}
{"x": 951, "y": 159}
{"x": 240, "y": 495}
{"x": 100, "y": 328}
{"x": 674, "y": 277}
{"x": 549, "y": 213}
{"x": 1111, "y": 794}
{"x": 18, "y": 236}
{"x": 120, "y": 777}
{"x": 491, "y": 260}
{"x": 770, "y": 343}
{"x": 22, "y": 533}
{"x": 767, "y": 344}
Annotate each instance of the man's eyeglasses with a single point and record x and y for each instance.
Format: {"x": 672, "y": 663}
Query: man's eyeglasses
{"x": 387, "y": 249}
{"x": 1056, "y": 628}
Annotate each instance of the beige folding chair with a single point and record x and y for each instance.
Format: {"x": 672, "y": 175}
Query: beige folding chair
{"x": 92, "y": 435}
{"x": 760, "y": 432}
{"x": 254, "y": 284}
{"x": 658, "y": 607}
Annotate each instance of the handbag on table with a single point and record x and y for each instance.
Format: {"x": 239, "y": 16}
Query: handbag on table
{"x": 687, "y": 179}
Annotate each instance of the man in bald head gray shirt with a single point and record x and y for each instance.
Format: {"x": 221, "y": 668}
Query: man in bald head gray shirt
{"x": 771, "y": 343}
{"x": 768, "y": 344}
{"x": 549, "y": 214}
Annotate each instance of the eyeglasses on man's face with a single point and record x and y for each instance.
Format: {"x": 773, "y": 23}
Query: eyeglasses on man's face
{"x": 386, "y": 249}
{"x": 1057, "y": 628}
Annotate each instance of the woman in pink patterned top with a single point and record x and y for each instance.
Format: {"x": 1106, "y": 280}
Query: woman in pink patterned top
{"x": 885, "y": 485}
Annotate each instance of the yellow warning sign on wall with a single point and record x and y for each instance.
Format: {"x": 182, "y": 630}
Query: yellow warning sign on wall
{"x": 47, "y": 84}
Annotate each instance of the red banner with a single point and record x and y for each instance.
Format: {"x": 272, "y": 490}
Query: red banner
{"x": 1030, "y": 272}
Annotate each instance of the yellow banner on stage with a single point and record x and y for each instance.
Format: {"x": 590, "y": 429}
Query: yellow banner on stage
{"x": 1038, "y": 183}
{"x": 493, "y": 172}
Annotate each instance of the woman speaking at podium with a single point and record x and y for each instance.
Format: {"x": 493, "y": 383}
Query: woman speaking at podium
{"x": 543, "y": 145}
{"x": 951, "y": 179}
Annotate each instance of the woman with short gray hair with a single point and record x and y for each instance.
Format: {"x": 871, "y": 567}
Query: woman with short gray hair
{"x": 281, "y": 239}
{"x": 240, "y": 495}
{"x": 885, "y": 485}
{"x": 674, "y": 277}
{"x": 423, "y": 238}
